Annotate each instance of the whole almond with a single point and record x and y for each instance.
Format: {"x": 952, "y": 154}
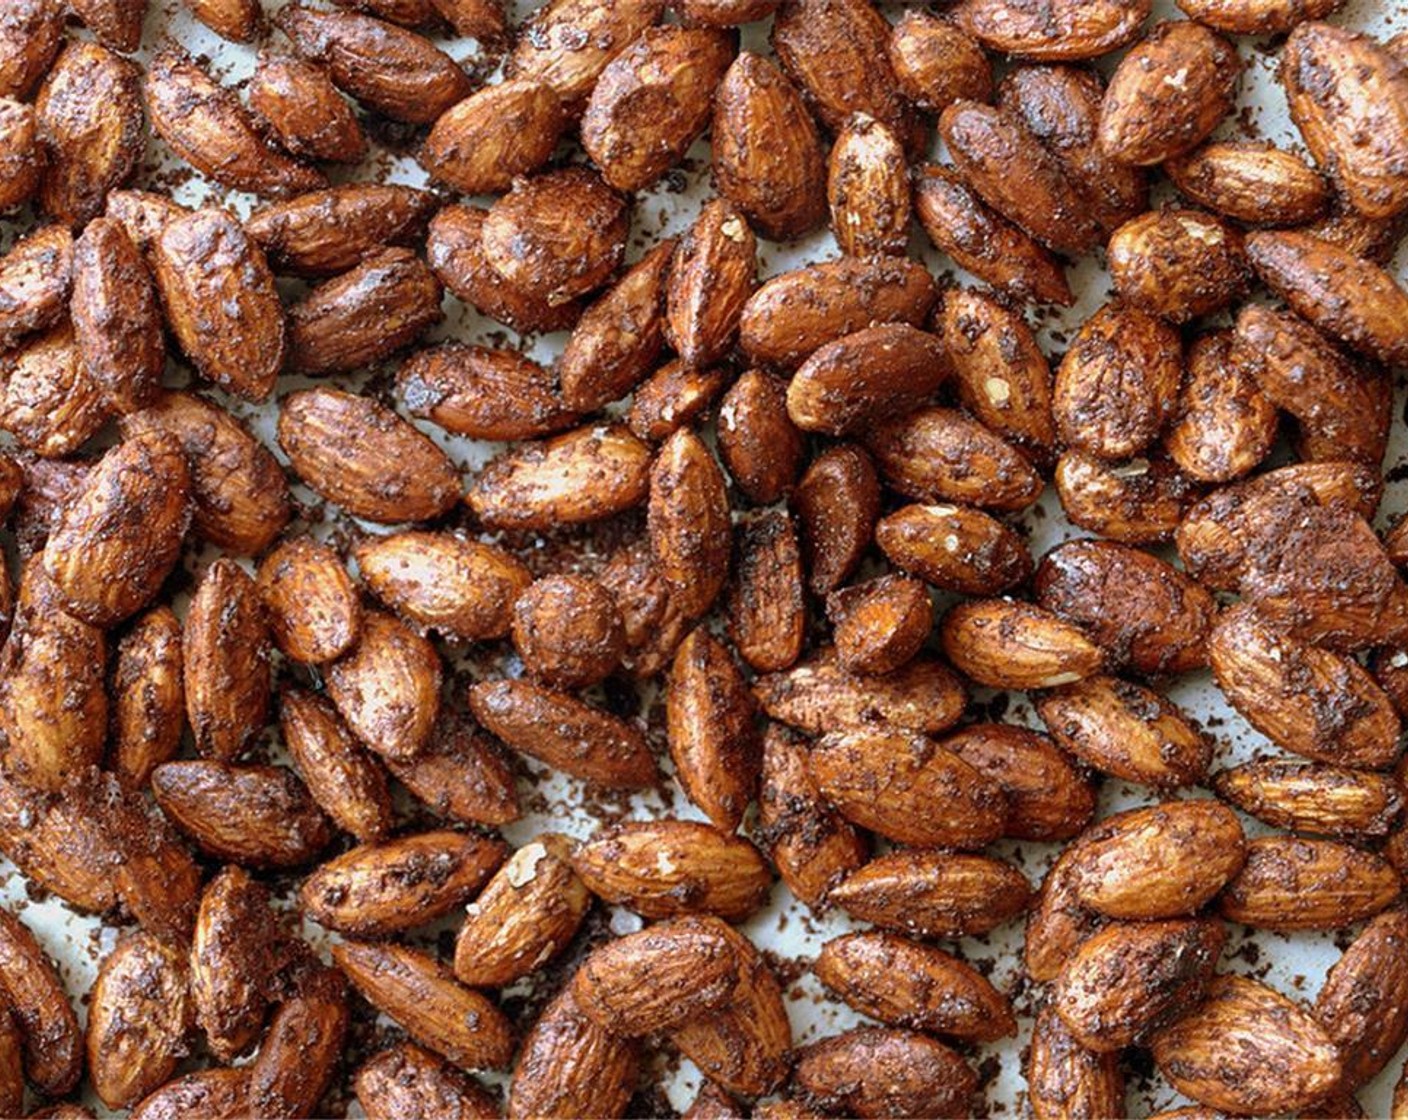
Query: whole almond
{"x": 11, "y": 1063}
{"x": 303, "y": 107}
{"x": 1251, "y": 182}
{"x": 1312, "y": 797}
{"x": 53, "y": 1044}
{"x": 688, "y": 522}
{"x": 303, "y": 1046}
{"x": 1224, "y": 425}
{"x": 461, "y": 774}
{"x": 711, "y": 277}
{"x": 566, "y": 44}
{"x": 235, "y": 936}
{"x": 936, "y": 63}
{"x": 406, "y": 1082}
{"x": 143, "y": 214}
{"x": 1048, "y": 796}
{"x": 1064, "y": 1078}
{"x": 327, "y": 232}
{"x": 567, "y": 630}
{"x": 116, "y": 318}
{"x": 209, "y": 1092}
{"x": 148, "y": 706}
{"x": 836, "y": 502}
{"x": 1256, "y": 17}
{"x": 116, "y": 24}
{"x": 32, "y": 35}
{"x": 51, "y": 404}
{"x": 1177, "y": 264}
{"x": 568, "y": 1067}
{"x": 674, "y": 396}
{"x": 1361, "y": 1004}
{"x": 36, "y": 277}
{"x": 387, "y": 687}
{"x": 1070, "y": 31}
{"x": 348, "y": 785}
{"x": 1003, "y": 643}
{"x": 867, "y": 190}
{"x": 880, "y": 624}
{"x": 1059, "y": 921}
{"x": 1292, "y": 883}
{"x": 483, "y": 393}
{"x": 756, "y": 438}
{"x": 955, "y": 548}
{"x": 469, "y": 148}
{"x": 309, "y": 600}
{"x": 873, "y": 1072}
{"x": 226, "y": 662}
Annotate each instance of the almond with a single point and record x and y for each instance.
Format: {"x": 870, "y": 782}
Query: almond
{"x": 566, "y": 44}
{"x": 387, "y": 687}
{"x": 1178, "y": 264}
{"x": 688, "y": 522}
{"x": 836, "y": 502}
{"x": 214, "y": 1092}
{"x": 1066, "y": 1079}
{"x": 67, "y": 843}
{"x": 1256, "y": 17}
{"x": 1250, "y": 182}
{"x": 51, "y": 403}
{"x": 867, "y": 190}
{"x": 115, "y": 23}
{"x": 470, "y": 150}
{"x": 1224, "y": 424}
{"x": 954, "y": 548}
{"x": 143, "y": 214}
{"x": 1003, "y": 643}
{"x": 483, "y": 393}
{"x": 713, "y": 273}
{"x": 1312, "y": 797}
{"x": 568, "y": 631}
{"x": 12, "y": 1064}
{"x": 872, "y": 1072}
{"x": 1361, "y": 1005}
{"x": 879, "y": 625}
{"x": 327, "y": 232}
{"x": 116, "y": 317}
{"x": 937, "y": 63}
{"x": 53, "y": 1044}
{"x": 569, "y": 1067}
{"x": 302, "y": 1047}
{"x": 303, "y": 107}
{"x": 29, "y": 39}
{"x": 21, "y": 154}
{"x": 310, "y": 601}
{"x": 1068, "y": 32}
{"x": 226, "y": 667}
{"x": 1290, "y": 883}
{"x": 1048, "y": 796}
{"x": 36, "y": 277}
{"x": 148, "y": 705}
{"x": 767, "y": 613}
{"x": 235, "y": 937}
{"x": 675, "y": 396}
{"x": 1059, "y": 922}
{"x": 405, "y": 1082}
{"x": 342, "y": 778}
{"x": 461, "y": 774}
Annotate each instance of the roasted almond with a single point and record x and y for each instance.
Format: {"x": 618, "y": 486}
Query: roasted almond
{"x": 713, "y": 273}
{"x": 566, "y": 44}
{"x": 1224, "y": 424}
{"x": 567, "y": 631}
{"x": 309, "y": 600}
{"x": 235, "y": 936}
{"x": 143, "y": 214}
{"x": 937, "y": 63}
{"x": 215, "y": 1092}
{"x": 21, "y": 154}
{"x": 327, "y": 232}
{"x": 1059, "y": 922}
{"x": 1250, "y": 182}
{"x": 226, "y": 662}
{"x": 469, "y": 148}
{"x": 568, "y": 1066}
{"x": 148, "y": 705}
{"x": 674, "y": 396}
{"x": 1003, "y": 643}
{"x": 461, "y": 774}
{"x": 29, "y": 39}
{"x": 849, "y": 384}
{"x": 1065, "y": 1079}
{"x": 1070, "y": 31}
{"x": 1313, "y": 797}
{"x": 303, "y": 1046}
{"x": 688, "y": 522}
{"x": 484, "y": 393}
{"x": 756, "y": 438}
{"x": 1361, "y": 1004}
{"x": 387, "y": 687}
{"x": 1177, "y": 264}
{"x": 836, "y": 502}
{"x": 955, "y": 548}
{"x": 36, "y": 277}
{"x": 880, "y": 624}
{"x": 115, "y": 23}
{"x": 51, "y": 404}
{"x": 406, "y": 1082}
{"x": 348, "y": 785}
{"x": 53, "y": 1044}
{"x": 867, "y": 190}
{"x": 1256, "y": 17}
{"x": 303, "y": 107}
{"x": 1048, "y": 796}
{"x": 872, "y": 1072}
{"x": 1291, "y": 883}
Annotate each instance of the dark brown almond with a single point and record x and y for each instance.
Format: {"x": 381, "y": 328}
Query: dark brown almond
{"x": 1361, "y": 1005}
{"x": 867, "y": 190}
{"x": 30, "y": 37}
{"x": 53, "y": 1044}
{"x": 234, "y": 938}
{"x": 51, "y": 404}
{"x": 21, "y": 154}
{"x": 1224, "y": 424}
{"x": 767, "y": 610}
{"x": 879, "y": 625}
{"x": 387, "y": 687}
{"x": 1066, "y": 1079}
{"x": 836, "y": 502}
{"x": 566, "y": 44}
{"x": 36, "y": 277}
{"x": 216, "y": 1093}
{"x": 937, "y": 63}
{"x": 955, "y": 548}
{"x": 324, "y": 233}
{"x": 406, "y": 1082}
{"x": 1251, "y": 182}
{"x": 116, "y": 318}
{"x": 470, "y": 148}
{"x": 689, "y": 523}
{"x": 567, "y": 630}
{"x": 309, "y": 600}
{"x": 1256, "y": 17}
{"x": 1003, "y": 643}
{"x": 1177, "y": 264}
{"x": 756, "y": 438}
{"x": 1291, "y": 883}
{"x": 148, "y": 705}
{"x": 675, "y": 396}
{"x": 303, "y": 107}
{"x": 302, "y": 1048}
{"x": 226, "y": 667}
{"x": 143, "y": 214}
{"x": 1048, "y": 796}
{"x": 713, "y": 273}
{"x": 1070, "y": 30}
{"x": 348, "y": 785}
{"x": 1313, "y": 797}
{"x": 461, "y": 774}
{"x": 1059, "y": 922}
{"x": 568, "y": 1066}
{"x": 873, "y": 1072}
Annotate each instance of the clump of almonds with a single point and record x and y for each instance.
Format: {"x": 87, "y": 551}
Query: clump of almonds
{"x": 786, "y": 505}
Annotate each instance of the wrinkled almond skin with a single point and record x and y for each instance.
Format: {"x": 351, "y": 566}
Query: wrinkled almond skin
{"x": 934, "y": 894}
{"x": 904, "y": 983}
{"x": 309, "y": 601}
{"x": 328, "y": 232}
{"x": 1362, "y": 1005}
{"x": 1136, "y": 502}
{"x": 405, "y": 1082}
{"x": 205, "y": 124}
{"x": 462, "y": 588}
{"x": 235, "y": 935}
{"x": 51, "y": 403}
{"x": 502, "y": 131}
{"x": 564, "y": 732}
{"x": 668, "y": 868}
{"x": 148, "y": 705}
{"x": 836, "y": 502}
{"x": 849, "y": 384}
{"x": 348, "y": 785}
{"x": 385, "y": 67}
{"x": 387, "y": 687}
{"x": 880, "y": 624}
{"x": 688, "y": 522}
{"x": 303, "y": 1046}
{"x": 568, "y": 631}
{"x": 21, "y": 154}
{"x": 818, "y": 695}
{"x": 462, "y": 775}
{"x": 525, "y": 915}
{"x": 778, "y": 183}
{"x": 361, "y": 455}
{"x": 954, "y": 548}
{"x": 1059, "y": 921}
{"x": 220, "y": 302}
{"x": 53, "y": 1044}
{"x": 380, "y": 890}
{"x": 257, "y": 816}
{"x": 867, "y": 190}
{"x": 713, "y": 273}
{"x": 1293, "y": 883}
{"x": 36, "y": 277}
{"x": 116, "y": 24}
{"x": 1064, "y": 31}
{"x": 30, "y": 37}
{"x": 675, "y": 396}
{"x": 239, "y": 497}
{"x": 873, "y": 1072}
{"x": 1248, "y": 1049}
{"x": 566, "y": 44}
{"x": 143, "y": 214}
{"x": 1065, "y": 1079}
{"x": 1177, "y": 264}
{"x": 1003, "y": 643}
{"x": 757, "y": 441}
{"x": 581, "y": 476}
{"x": 421, "y": 994}
{"x": 983, "y": 242}
{"x": 1225, "y": 424}
{"x": 90, "y": 117}
{"x": 218, "y": 1093}
{"x": 137, "y": 1019}
{"x": 1313, "y": 797}
{"x": 936, "y": 63}
{"x": 569, "y": 1067}
{"x": 1048, "y": 796}
{"x": 933, "y": 797}
{"x": 1251, "y": 182}
{"x": 225, "y": 662}
{"x": 1133, "y": 977}
{"x": 303, "y": 107}
{"x": 812, "y": 846}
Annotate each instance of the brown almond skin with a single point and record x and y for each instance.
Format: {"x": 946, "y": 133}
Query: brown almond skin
{"x": 143, "y": 214}
{"x": 1361, "y": 1004}
{"x": 1257, "y": 17}
{"x": 688, "y": 522}
{"x": 257, "y": 816}
{"x": 419, "y": 993}
{"x": 1146, "y": 120}
{"x": 724, "y": 13}
{"x": 795, "y": 313}
{"x": 303, "y": 1047}
{"x": 652, "y": 102}
{"x": 867, "y": 190}
{"x": 874, "y": 1072}
{"x": 148, "y": 705}
{"x": 309, "y": 600}
{"x": 581, "y": 476}
{"x": 812, "y": 846}
{"x": 216, "y": 1093}
{"x": 1144, "y": 612}
{"x": 119, "y": 536}
{"x": 387, "y": 687}
{"x": 569, "y": 1067}
{"x": 116, "y": 319}
{"x": 36, "y": 277}
{"x": 53, "y": 1044}
{"x": 933, "y": 797}
{"x": 566, "y": 44}
{"x": 462, "y": 588}
{"x": 818, "y": 695}
{"x": 51, "y": 404}
{"x": 767, "y": 608}
{"x": 1250, "y": 182}
{"x": 756, "y": 438}
{"x": 328, "y": 232}
{"x": 667, "y": 868}
{"x": 881, "y": 624}
{"x": 1177, "y": 264}
{"x": 934, "y": 894}
{"x": 1068, "y": 31}
{"x": 21, "y": 154}
{"x": 675, "y": 396}
{"x": 1140, "y": 501}
{"x": 462, "y": 775}
{"x": 234, "y": 937}
{"x": 1374, "y": 239}
{"x": 568, "y": 631}
{"x": 955, "y": 548}
{"x": 618, "y": 339}
{"x": 406, "y": 1082}
{"x": 1339, "y": 85}
{"x": 658, "y": 978}
{"x": 1118, "y": 383}
{"x": 1197, "y": 847}
{"x": 30, "y": 37}
{"x": 1291, "y": 883}
{"x": 1248, "y": 1049}
{"x": 983, "y": 242}
{"x": 907, "y": 984}
{"x": 361, "y": 455}
{"x": 557, "y": 235}
{"x": 1058, "y": 922}
{"x": 383, "y": 889}
{"x": 936, "y": 63}
{"x": 387, "y": 68}
{"x": 709, "y": 718}
{"x": 382, "y": 305}
{"x": 1224, "y": 424}
{"x": 226, "y": 663}
{"x": 836, "y": 502}
{"x": 303, "y": 107}
{"x": 1065, "y": 1079}
{"x": 778, "y": 184}
{"x": 1313, "y": 797}
{"x": 713, "y": 273}
{"x": 1350, "y": 299}
{"x": 564, "y": 732}
{"x": 525, "y": 915}
{"x": 239, "y": 496}
{"x": 116, "y": 24}
{"x": 348, "y": 785}
{"x": 1048, "y": 796}
{"x": 1003, "y": 643}
{"x": 1270, "y": 679}
{"x": 70, "y": 846}
{"x": 220, "y": 302}
{"x": 137, "y": 1019}
{"x": 849, "y": 384}
{"x": 1133, "y": 977}
{"x": 504, "y": 130}
{"x": 89, "y": 111}
{"x": 205, "y": 124}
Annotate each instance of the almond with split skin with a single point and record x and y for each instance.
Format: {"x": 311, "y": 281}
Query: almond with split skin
{"x": 675, "y": 396}
{"x": 1139, "y": 501}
